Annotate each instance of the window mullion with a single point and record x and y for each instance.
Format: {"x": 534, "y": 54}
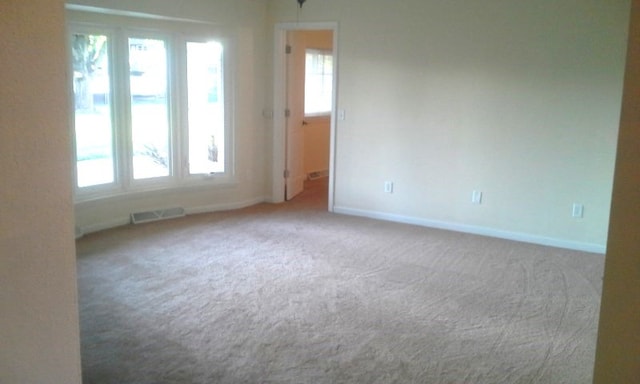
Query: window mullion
{"x": 179, "y": 108}
{"x": 122, "y": 111}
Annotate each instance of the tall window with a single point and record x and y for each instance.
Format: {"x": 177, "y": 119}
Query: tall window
{"x": 318, "y": 82}
{"x": 94, "y": 140}
{"x": 206, "y": 107}
{"x": 149, "y": 107}
{"x": 143, "y": 121}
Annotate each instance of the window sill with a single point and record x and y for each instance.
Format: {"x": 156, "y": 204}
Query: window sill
{"x": 204, "y": 182}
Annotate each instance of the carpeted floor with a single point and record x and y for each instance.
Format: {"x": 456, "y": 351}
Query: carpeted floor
{"x": 290, "y": 293}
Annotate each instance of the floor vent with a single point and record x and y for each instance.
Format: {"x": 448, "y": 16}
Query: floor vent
{"x": 162, "y": 214}
{"x": 318, "y": 174}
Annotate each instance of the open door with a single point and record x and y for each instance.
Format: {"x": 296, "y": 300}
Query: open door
{"x": 294, "y": 173}
{"x": 288, "y": 112}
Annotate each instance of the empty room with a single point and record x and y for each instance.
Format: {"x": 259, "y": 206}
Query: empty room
{"x": 320, "y": 191}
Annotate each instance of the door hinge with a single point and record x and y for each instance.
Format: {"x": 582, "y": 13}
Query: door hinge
{"x": 287, "y": 112}
{"x": 287, "y": 49}
{"x": 286, "y": 174}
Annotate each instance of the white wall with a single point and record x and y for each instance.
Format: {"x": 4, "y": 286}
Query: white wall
{"x": 245, "y": 21}
{"x": 518, "y": 99}
{"x": 39, "y": 333}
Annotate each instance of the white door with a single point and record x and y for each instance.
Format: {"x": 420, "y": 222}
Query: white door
{"x": 294, "y": 174}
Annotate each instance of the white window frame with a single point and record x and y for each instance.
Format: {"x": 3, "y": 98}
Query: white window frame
{"x": 148, "y": 183}
{"x": 227, "y": 87}
{"x": 175, "y": 34}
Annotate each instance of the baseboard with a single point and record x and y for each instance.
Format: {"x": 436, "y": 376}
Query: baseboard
{"x": 120, "y": 221}
{"x": 78, "y": 232}
{"x": 317, "y": 174}
{"x": 225, "y": 207}
{"x": 97, "y": 227}
{"x": 475, "y": 230}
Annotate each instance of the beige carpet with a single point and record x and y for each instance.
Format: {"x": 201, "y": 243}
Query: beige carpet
{"x": 292, "y": 294}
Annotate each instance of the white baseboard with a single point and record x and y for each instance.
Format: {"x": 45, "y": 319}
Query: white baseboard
{"x": 476, "y": 230}
{"x": 317, "y": 174}
{"x": 120, "y": 221}
{"x": 97, "y": 227}
{"x": 225, "y": 207}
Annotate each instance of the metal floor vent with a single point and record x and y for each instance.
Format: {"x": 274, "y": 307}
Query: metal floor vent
{"x": 318, "y": 174}
{"x": 162, "y": 214}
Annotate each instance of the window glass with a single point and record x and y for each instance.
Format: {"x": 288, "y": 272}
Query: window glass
{"x": 206, "y": 108}
{"x": 318, "y": 82}
{"x": 149, "y": 108}
{"x": 92, "y": 106}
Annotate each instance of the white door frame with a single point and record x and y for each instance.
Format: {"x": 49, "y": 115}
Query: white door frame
{"x": 279, "y": 105}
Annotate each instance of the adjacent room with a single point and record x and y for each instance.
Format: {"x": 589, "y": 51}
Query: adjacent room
{"x": 338, "y": 191}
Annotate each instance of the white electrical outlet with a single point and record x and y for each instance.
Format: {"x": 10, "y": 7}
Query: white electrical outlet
{"x": 578, "y": 211}
{"x": 476, "y": 197}
{"x": 388, "y": 186}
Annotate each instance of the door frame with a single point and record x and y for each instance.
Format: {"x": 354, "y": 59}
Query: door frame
{"x": 280, "y": 103}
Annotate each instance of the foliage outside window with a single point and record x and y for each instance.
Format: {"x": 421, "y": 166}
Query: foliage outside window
{"x": 142, "y": 121}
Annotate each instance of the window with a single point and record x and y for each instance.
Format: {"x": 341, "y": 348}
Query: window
{"x": 150, "y": 110}
{"x": 318, "y": 82}
{"x": 206, "y": 107}
{"x": 93, "y": 124}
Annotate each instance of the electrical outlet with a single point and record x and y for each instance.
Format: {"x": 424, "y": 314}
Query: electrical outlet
{"x": 388, "y": 186}
{"x": 577, "y": 211}
{"x": 476, "y": 197}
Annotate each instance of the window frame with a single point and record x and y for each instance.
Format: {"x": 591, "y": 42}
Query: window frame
{"x": 127, "y": 97}
{"x": 175, "y": 34}
{"x": 227, "y": 94}
{"x": 115, "y": 186}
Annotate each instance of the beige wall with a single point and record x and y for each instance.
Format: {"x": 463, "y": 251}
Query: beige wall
{"x": 618, "y": 350}
{"x": 518, "y": 99}
{"x": 39, "y": 334}
{"x": 317, "y": 133}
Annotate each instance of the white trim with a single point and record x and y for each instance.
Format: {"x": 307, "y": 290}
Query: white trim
{"x": 225, "y": 207}
{"x": 476, "y": 230}
{"x": 113, "y": 223}
{"x": 279, "y": 98}
{"x": 125, "y": 220}
{"x": 140, "y": 15}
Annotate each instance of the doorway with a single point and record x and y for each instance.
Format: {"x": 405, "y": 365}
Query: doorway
{"x": 304, "y": 127}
